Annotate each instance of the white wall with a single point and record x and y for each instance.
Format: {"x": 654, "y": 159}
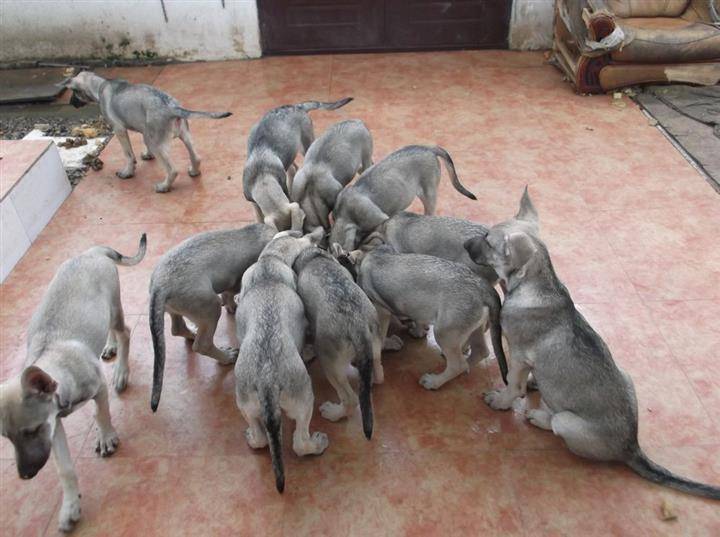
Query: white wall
{"x": 531, "y": 24}
{"x": 196, "y": 29}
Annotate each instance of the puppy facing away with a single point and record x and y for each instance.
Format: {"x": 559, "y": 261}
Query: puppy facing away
{"x": 273, "y": 144}
{"x": 144, "y": 109}
{"x": 345, "y": 330}
{"x": 80, "y": 318}
{"x": 586, "y": 399}
{"x": 433, "y": 291}
{"x": 387, "y": 188}
{"x": 343, "y": 151}
{"x": 187, "y": 282}
{"x": 270, "y": 375}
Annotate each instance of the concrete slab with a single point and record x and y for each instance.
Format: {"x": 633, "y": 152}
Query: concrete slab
{"x": 30, "y": 85}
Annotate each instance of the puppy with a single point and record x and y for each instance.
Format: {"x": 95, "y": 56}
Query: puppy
{"x": 586, "y": 399}
{"x": 434, "y": 291}
{"x": 345, "y": 330}
{"x": 187, "y": 282}
{"x": 345, "y": 149}
{"x": 270, "y": 373}
{"x": 273, "y": 144}
{"x": 80, "y": 314}
{"x": 144, "y": 109}
{"x": 389, "y": 187}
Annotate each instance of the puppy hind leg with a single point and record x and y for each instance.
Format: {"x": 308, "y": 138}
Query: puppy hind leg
{"x": 300, "y": 410}
{"x": 206, "y": 314}
{"x": 255, "y": 433}
{"x": 336, "y": 373}
{"x": 582, "y": 437}
{"x": 517, "y": 384}
{"x": 540, "y": 417}
{"x": 107, "y": 437}
{"x": 186, "y": 138}
{"x": 110, "y": 350}
{"x": 378, "y": 371}
{"x": 120, "y": 333}
{"x": 178, "y": 327}
{"x": 161, "y": 150}
{"x": 429, "y": 199}
{"x": 456, "y": 364}
{"x": 297, "y": 217}
{"x": 393, "y": 343}
{"x": 70, "y": 508}
{"x": 258, "y": 213}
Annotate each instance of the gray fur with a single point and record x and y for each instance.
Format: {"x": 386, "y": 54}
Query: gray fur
{"x": 79, "y": 319}
{"x": 273, "y": 144}
{"x": 144, "y": 109}
{"x": 343, "y": 151}
{"x": 387, "y": 188}
{"x": 186, "y": 283}
{"x": 586, "y": 399}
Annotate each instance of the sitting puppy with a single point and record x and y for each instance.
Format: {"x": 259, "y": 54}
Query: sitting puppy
{"x": 270, "y": 373}
{"x": 144, "y": 109}
{"x": 389, "y": 187}
{"x": 430, "y": 290}
{"x": 80, "y": 313}
{"x": 586, "y": 399}
{"x": 187, "y": 282}
{"x": 273, "y": 144}
{"x": 345, "y": 149}
{"x": 345, "y": 330}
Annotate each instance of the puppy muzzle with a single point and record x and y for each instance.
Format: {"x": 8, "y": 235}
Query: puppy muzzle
{"x": 76, "y": 101}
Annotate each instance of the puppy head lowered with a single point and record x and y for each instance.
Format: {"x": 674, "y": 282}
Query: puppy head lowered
{"x": 27, "y": 418}
{"x": 82, "y": 88}
{"x": 287, "y": 245}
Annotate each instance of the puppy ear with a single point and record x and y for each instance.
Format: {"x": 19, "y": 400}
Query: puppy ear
{"x": 520, "y": 250}
{"x": 356, "y": 256}
{"x": 336, "y": 250}
{"x": 316, "y": 235}
{"x": 35, "y": 381}
{"x": 473, "y": 248}
{"x": 527, "y": 211}
{"x": 373, "y": 240}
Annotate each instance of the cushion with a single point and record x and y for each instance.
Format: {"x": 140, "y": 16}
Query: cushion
{"x": 647, "y": 8}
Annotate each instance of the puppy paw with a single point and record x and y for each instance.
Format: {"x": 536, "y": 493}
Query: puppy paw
{"x": 109, "y": 352}
{"x": 120, "y": 377}
{"x": 393, "y": 343}
{"x": 193, "y": 172}
{"x": 498, "y": 400}
{"x": 539, "y": 418}
{"x": 162, "y": 188}
{"x": 107, "y": 443}
{"x": 418, "y": 331}
{"x": 333, "y": 411}
{"x": 69, "y": 514}
{"x": 320, "y": 442}
{"x": 430, "y": 381}
{"x": 378, "y": 375}
{"x": 255, "y": 441}
{"x": 147, "y": 156}
{"x": 231, "y": 355}
{"x": 125, "y": 174}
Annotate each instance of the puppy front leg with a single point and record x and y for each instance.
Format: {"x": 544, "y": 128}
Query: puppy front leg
{"x": 129, "y": 169}
{"x": 70, "y": 509}
{"x": 297, "y": 217}
{"x": 107, "y": 437}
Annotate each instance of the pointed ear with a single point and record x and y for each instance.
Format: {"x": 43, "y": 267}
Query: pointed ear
{"x": 336, "y": 250}
{"x": 35, "y": 381}
{"x": 316, "y": 235}
{"x": 527, "y": 211}
{"x": 473, "y": 247}
{"x": 520, "y": 250}
{"x": 356, "y": 256}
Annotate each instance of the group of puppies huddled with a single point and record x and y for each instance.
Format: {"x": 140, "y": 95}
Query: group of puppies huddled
{"x": 322, "y": 274}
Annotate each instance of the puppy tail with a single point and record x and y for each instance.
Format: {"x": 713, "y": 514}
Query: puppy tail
{"x": 187, "y": 114}
{"x": 450, "y": 167}
{"x": 496, "y": 335}
{"x": 157, "y": 331}
{"x": 122, "y": 259}
{"x": 662, "y": 476}
{"x": 273, "y": 425}
{"x": 365, "y": 368}
{"x": 315, "y": 105}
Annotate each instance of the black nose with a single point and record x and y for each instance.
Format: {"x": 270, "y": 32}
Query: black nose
{"x": 27, "y": 474}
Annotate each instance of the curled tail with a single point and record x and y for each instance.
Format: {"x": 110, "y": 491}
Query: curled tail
{"x": 157, "y": 331}
{"x": 657, "y": 474}
{"x": 314, "y": 105}
{"x": 365, "y": 369}
{"x": 272, "y": 420}
{"x": 496, "y": 336}
{"x": 122, "y": 259}
{"x": 187, "y": 114}
{"x": 450, "y": 167}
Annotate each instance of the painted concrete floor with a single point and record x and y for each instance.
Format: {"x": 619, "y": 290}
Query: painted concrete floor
{"x": 631, "y": 228}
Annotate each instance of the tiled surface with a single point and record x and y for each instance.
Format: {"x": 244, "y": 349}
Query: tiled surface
{"x": 631, "y": 228}
{"x": 16, "y": 157}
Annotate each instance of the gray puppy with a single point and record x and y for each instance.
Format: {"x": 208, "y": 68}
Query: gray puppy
{"x": 434, "y": 291}
{"x": 387, "y": 188}
{"x": 187, "y": 282}
{"x": 80, "y": 317}
{"x": 144, "y": 109}
{"x": 273, "y": 144}
{"x": 586, "y": 399}
{"x": 343, "y": 151}
{"x": 345, "y": 330}
{"x": 270, "y": 374}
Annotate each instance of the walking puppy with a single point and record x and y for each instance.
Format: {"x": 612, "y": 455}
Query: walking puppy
{"x": 430, "y": 290}
{"x": 273, "y": 144}
{"x": 80, "y": 314}
{"x": 343, "y": 151}
{"x": 270, "y": 373}
{"x": 187, "y": 282}
{"x": 389, "y": 187}
{"x": 586, "y": 399}
{"x": 345, "y": 330}
{"x": 144, "y": 109}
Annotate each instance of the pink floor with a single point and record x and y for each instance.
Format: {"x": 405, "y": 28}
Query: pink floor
{"x": 633, "y": 232}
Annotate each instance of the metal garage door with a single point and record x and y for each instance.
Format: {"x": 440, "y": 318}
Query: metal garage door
{"x": 310, "y": 26}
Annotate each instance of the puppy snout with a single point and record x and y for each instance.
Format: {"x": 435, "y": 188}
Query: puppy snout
{"x": 28, "y": 473}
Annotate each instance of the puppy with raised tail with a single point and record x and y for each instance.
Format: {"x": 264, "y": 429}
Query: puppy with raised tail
{"x": 144, "y": 109}
{"x": 345, "y": 330}
{"x": 270, "y": 375}
{"x": 186, "y": 283}
{"x": 273, "y": 144}
{"x": 343, "y": 151}
{"x": 387, "y": 188}
{"x": 587, "y": 399}
{"x": 433, "y": 291}
{"x": 79, "y": 319}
